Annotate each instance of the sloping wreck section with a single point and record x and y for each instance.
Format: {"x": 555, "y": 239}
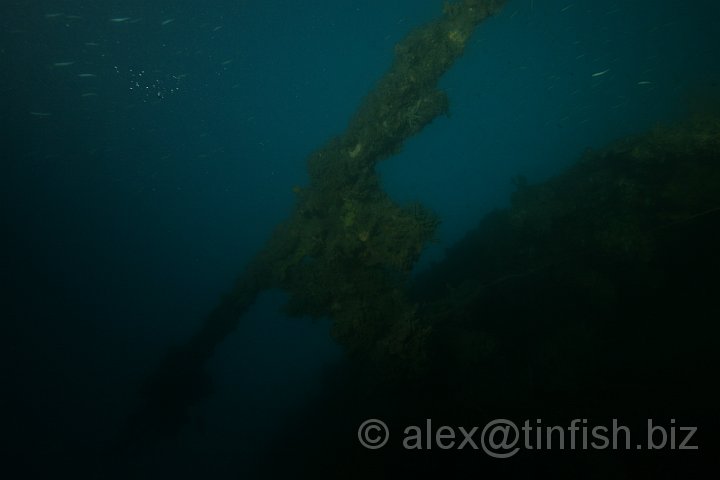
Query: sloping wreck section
{"x": 594, "y": 296}
{"x": 620, "y": 248}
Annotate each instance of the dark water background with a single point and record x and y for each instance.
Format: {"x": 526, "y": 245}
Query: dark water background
{"x": 131, "y": 198}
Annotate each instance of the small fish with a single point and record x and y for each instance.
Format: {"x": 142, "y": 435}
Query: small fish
{"x": 599, "y": 74}
{"x": 226, "y": 62}
{"x": 53, "y": 15}
{"x": 63, "y": 64}
{"x": 644, "y": 82}
{"x": 165, "y": 22}
{"x": 92, "y": 44}
{"x": 87, "y": 75}
{"x": 217, "y": 28}
{"x": 89, "y": 94}
{"x": 119, "y": 19}
{"x": 40, "y": 114}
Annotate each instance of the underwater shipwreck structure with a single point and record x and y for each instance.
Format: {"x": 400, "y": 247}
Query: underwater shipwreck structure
{"x": 346, "y": 251}
{"x": 592, "y": 295}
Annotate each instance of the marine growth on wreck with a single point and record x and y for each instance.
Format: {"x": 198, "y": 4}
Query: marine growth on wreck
{"x": 346, "y": 250}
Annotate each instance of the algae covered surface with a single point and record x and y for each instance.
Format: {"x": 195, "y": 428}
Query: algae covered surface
{"x": 346, "y": 251}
